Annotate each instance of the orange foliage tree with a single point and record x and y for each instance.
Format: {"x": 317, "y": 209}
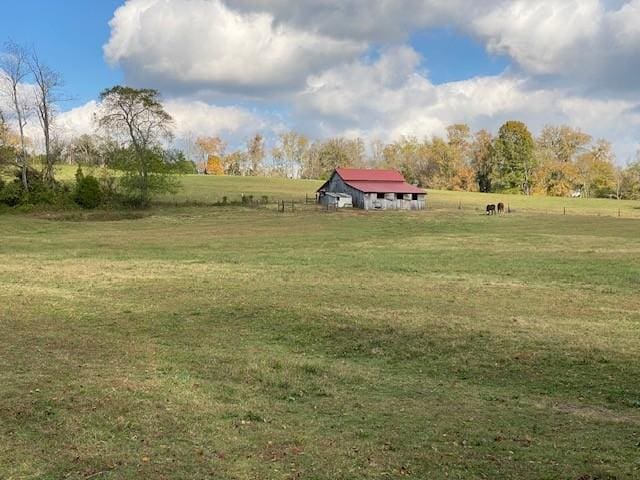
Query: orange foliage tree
{"x": 214, "y": 165}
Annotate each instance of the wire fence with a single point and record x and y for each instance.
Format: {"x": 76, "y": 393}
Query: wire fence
{"x": 572, "y": 208}
{"x": 308, "y": 203}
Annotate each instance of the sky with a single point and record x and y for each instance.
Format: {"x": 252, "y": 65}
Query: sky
{"x": 369, "y": 68}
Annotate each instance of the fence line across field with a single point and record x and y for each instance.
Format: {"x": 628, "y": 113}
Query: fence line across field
{"x": 310, "y": 203}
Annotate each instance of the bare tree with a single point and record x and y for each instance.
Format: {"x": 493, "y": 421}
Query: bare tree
{"x": 255, "y": 154}
{"x": 4, "y": 129}
{"x": 46, "y": 92}
{"x": 289, "y": 153}
{"x": 14, "y": 69}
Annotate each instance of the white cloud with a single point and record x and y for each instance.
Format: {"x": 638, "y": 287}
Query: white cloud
{"x": 202, "y": 45}
{"x": 196, "y": 118}
{"x": 192, "y": 119}
{"x": 77, "y": 121}
{"x": 625, "y": 24}
{"x": 572, "y": 61}
{"x": 388, "y": 98}
{"x": 541, "y": 36}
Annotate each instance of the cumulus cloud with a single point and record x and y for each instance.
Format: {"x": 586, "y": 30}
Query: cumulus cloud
{"x": 192, "y": 119}
{"x": 388, "y": 98}
{"x": 543, "y": 35}
{"x": 196, "y": 118}
{"x": 256, "y": 48}
{"x": 348, "y": 66}
{"x": 202, "y": 45}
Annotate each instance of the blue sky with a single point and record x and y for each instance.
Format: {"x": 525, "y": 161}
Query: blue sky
{"x": 71, "y": 38}
{"x": 69, "y": 35}
{"x": 451, "y": 56}
{"x": 374, "y": 69}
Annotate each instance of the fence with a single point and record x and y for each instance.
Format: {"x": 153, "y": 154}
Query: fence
{"x": 477, "y": 206}
{"x": 538, "y": 206}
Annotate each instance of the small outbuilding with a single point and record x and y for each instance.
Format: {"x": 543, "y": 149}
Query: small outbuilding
{"x": 373, "y": 189}
{"x": 337, "y": 200}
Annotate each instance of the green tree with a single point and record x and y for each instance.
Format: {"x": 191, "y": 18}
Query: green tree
{"x": 138, "y": 120}
{"x": 483, "y": 159}
{"x": 515, "y": 159}
{"x": 631, "y": 180}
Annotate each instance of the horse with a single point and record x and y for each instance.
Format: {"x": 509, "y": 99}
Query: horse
{"x": 500, "y": 208}
{"x": 491, "y": 209}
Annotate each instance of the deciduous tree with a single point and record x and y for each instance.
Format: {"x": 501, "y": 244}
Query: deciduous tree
{"x": 596, "y": 170}
{"x": 46, "y": 93}
{"x": 255, "y": 155}
{"x": 290, "y": 153}
{"x": 483, "y": 159}
{"x": 515, "y": 161}
{"x": 564, "y": 143}
{"x": 209, "y": 147}
{"x": 138, "y": 120}
{"x": 14, "y": 70}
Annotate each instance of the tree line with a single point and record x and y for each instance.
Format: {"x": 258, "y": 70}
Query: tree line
{"x": 133, "y": 132}
{"x": 561, "y": 161}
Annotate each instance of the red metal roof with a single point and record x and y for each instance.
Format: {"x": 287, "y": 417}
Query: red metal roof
{"x": 384, "y": 187}
{"x": 375, "y": 181}
{"x": 365, "y": 175}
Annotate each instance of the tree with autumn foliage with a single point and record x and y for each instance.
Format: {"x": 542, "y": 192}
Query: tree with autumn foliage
{"x": 596, "y": 170}
{"x": 214, "y": 166}
{"x": 210, "y": 153}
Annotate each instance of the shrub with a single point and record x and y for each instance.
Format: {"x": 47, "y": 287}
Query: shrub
{"x": 88, "y": 193}
{"x": 11, "y": 194}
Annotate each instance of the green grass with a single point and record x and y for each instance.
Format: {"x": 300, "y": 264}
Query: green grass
{"x": 243, "y": 343}
{"x": 212, "y": 189}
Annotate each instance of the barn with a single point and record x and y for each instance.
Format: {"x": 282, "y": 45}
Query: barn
{"x": 374, "y": 189}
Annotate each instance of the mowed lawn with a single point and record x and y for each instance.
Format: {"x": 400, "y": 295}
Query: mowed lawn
{"x": 241, "y": 343}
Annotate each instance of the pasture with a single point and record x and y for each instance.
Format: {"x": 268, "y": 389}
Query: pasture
{"x": 239, "y": 343}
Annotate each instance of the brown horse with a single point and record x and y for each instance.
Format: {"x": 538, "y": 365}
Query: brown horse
{"x": 500, "y": 208}
{"x": 491, "y": 209}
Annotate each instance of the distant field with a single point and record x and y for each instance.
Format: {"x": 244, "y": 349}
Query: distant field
{"x": 208, "y": 342}
{"x": 212, "y": 189}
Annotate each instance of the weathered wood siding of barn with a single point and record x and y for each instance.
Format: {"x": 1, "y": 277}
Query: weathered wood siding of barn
{"x": 392, "y": 202}
{"x": 370, "y": 201}
{"x": 337, "y": 185}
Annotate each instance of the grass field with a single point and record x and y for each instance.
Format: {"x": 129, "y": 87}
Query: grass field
{"x": 208, "y": 342}
{"x": 211, "y": 189}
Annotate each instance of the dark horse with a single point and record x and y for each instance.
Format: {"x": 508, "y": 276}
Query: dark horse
{"x": 491, "y": 209}
{"x": 500, "y": 208}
